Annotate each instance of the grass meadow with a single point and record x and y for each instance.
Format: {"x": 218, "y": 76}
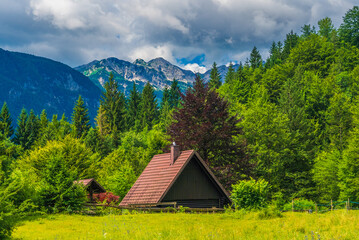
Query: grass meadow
{"x": 340, "y": 224}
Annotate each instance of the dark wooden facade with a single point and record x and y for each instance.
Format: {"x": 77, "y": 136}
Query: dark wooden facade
{"x": 195, "y": 188}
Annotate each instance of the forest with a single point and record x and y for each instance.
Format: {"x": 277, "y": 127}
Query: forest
{"x": 291, "y": 120}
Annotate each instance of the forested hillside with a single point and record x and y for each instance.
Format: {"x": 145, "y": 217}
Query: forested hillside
{"x": 292, "y": 121}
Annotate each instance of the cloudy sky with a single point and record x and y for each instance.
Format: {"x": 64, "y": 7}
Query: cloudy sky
{"x": 190, "y": 33}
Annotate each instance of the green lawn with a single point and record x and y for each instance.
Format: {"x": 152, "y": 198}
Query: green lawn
{"x": 332, "y": 225}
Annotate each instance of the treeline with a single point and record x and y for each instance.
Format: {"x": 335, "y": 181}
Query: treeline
{"x": 292, "y": 122}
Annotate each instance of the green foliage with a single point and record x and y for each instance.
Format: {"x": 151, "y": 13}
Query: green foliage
{"x": 80, "y": 119}
{"x": 121, "y": 168}
{"x": 215, "y": 77}
{"x": 5, "y": 121}
{"x": 8, "y": 217}
{"x": 326, "y": 27}
{"x": 299, "y": 205}
{"x": 149, "y": 108}
{"x": 174, "y": 94}
{"x": 113, "y": 105}
{"x": 250, "y": 194}
{"x": 348, "y": 30}
{"x": 255, "y": 58}
{"x": 57, "y": 189}
{"x": 21, "y": 134}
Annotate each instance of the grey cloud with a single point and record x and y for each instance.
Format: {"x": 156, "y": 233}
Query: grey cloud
{"x": 79, "y": 31}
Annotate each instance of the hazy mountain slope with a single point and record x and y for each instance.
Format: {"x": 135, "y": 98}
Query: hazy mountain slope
{"x": 40, "y": 83}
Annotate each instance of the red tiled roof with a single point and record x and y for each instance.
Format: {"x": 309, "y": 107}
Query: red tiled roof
{"x": 85, "y": 182}
{"x": 158, "y": 177}
{"x": 155, "y": 179}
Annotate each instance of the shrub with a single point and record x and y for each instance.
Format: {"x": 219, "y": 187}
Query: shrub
{"x": 299, "y": 205}
{"x": 107, "y": 197}
{"x": 250, "y": 194}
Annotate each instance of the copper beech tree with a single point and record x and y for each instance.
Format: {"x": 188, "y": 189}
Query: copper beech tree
{"x": 203, "y": 123}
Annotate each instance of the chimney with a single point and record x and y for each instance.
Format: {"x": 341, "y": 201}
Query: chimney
{"x": 175, "y": 152}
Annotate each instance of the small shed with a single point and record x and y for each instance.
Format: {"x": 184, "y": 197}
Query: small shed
{"x": 177, "y": 178}
{"x": 91, "y": 186}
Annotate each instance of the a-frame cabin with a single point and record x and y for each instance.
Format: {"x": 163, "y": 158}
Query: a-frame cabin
{"x": 177, "y": 177}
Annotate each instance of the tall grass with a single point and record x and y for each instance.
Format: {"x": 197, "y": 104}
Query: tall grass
{"x": 240, "y": 225}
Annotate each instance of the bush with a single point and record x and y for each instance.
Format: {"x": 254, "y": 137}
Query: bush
{"x": 250, "y": 194}
{"x": 107, "y": 197}
{"x": 300, "y": 205}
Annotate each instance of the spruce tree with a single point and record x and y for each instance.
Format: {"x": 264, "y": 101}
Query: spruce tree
{"x": 114, "y": 105}
{"x": 230, "y": 74}
{"x": 148, "y": 105}
{"x": 33, "y": 128}
{"x": 174, "y": 94}
{"x": 80, "y": 118}
{"x": 6, "y": 123}
{"x": 133, "y": 107}
{"x": 215, "y": 77}
{"x": 290, "y": 42}
{"x": 255, "y": 58}
{"x": 22, "y": 134}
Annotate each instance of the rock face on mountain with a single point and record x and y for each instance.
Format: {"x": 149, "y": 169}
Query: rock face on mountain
{"x": 39, "y": 83}
{"x": 158, "y": 72}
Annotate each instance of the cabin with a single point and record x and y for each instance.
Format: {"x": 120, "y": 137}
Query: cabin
{"x": 91, "y": 186}
{"x": 178, "y": 178}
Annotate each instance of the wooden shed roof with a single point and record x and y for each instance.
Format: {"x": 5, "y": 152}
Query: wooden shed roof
{"x": 88, "y": 182}
{"x": 158, "y": 177}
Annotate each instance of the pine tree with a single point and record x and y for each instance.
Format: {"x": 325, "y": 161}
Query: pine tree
{"x": 133, "y": 107}
{"x": 21, "y": 134}
{"x": 215, "y": 77}
{"x": 6, "y": 123}
{"x": 174, "y": 94}
{"x": 255, "y": 58}
{"x": 80, "y": 118}
{"x": 148, "y": 105}
{"x": 114, "y": 105}
{"x": 230, "y": 74}
{"x": 204, "y": 123}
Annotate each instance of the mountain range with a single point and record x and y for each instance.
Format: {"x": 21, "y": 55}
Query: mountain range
{"x": 37, "y": 83}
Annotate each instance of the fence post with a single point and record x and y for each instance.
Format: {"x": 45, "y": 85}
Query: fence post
{"x": 316, "y": 208}
{"x": 292, "y": 205}
{"x": 331, "y": 205}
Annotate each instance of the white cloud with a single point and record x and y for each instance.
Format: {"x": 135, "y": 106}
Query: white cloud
{"x": 150, "y": 52}
{"x": 194, "y": 67}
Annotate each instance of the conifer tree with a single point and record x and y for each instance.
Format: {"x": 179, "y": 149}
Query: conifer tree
{"x": 166, "y": 96}
{"x": 6, "y": 123}
{"x": 148, "y": 105}
{"x": 21, "y": 134}
{"x": 33, "y": 128}
{"x": 133, "y": 107}
{"x": 215, "y": 77}
{"x": 290, "y": 42}
{"x": 102, "y": 122}
{"x": 326, "y": 27}
{"x": 114, "y": 105}
{"x": 80, "y": 119}
{"x": 255, "y": 58}
{"x": 174, "y": 94}
{"x": 240, "y": 88}
{"x": 230, "y": 74}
